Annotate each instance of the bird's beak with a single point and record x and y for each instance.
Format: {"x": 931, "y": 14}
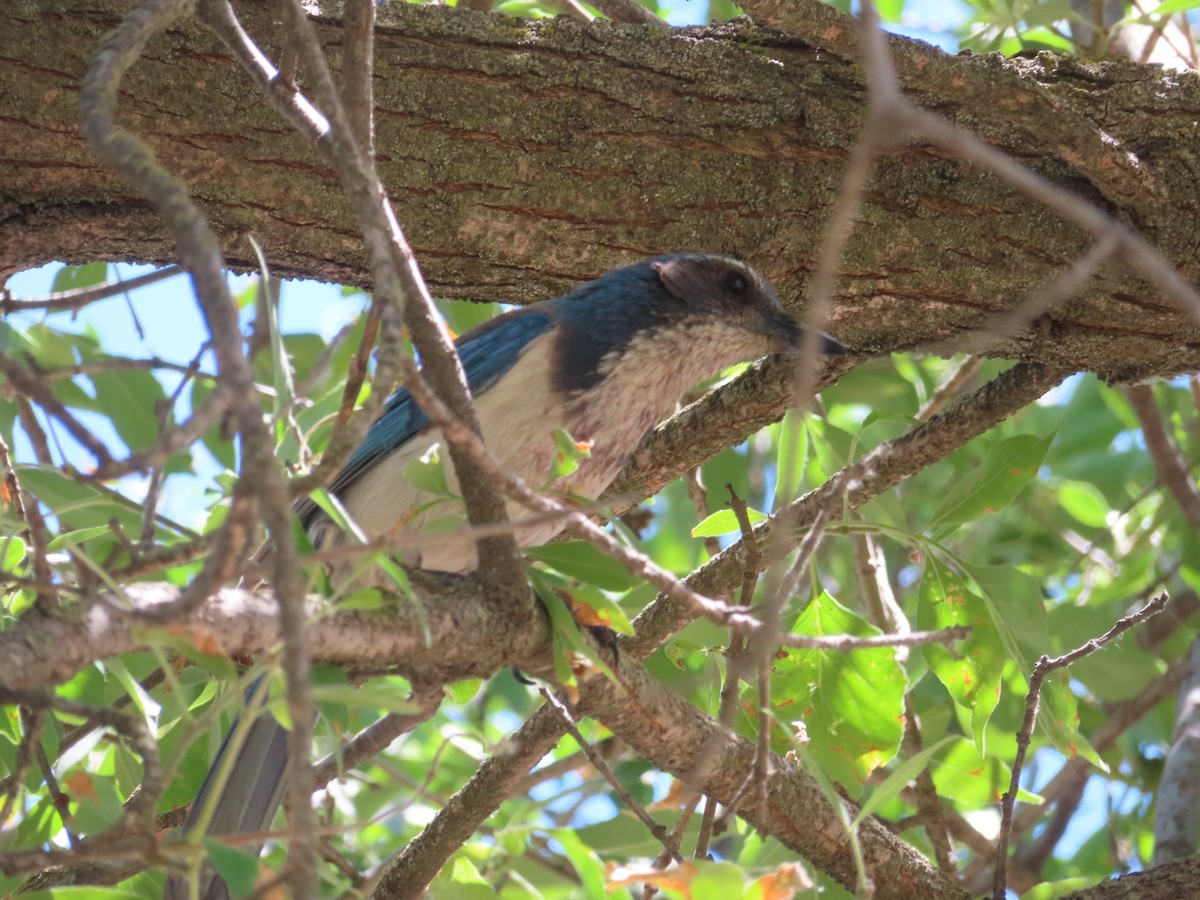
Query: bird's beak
{"x": 788, "y": 334}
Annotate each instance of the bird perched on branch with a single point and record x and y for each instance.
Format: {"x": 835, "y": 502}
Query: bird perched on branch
{"x": 605, "y": 363}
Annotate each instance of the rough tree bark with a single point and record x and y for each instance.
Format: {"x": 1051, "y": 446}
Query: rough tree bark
{"x": 525, "y": 157}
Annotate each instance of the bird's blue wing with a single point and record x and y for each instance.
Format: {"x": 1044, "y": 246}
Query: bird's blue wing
{"x": 487, "y": 352}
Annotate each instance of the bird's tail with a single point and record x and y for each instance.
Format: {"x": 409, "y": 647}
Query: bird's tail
{"x": 246, "y": 802}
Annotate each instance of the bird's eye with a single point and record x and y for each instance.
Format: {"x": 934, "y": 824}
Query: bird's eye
{"x": 736, "y": 283}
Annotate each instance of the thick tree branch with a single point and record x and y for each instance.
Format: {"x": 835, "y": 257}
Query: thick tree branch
{"x": 43, "y": 650}
{"x": 527, "y": 203}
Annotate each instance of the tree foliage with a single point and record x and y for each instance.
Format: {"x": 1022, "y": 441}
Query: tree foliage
{"x": 1001, "y": 492}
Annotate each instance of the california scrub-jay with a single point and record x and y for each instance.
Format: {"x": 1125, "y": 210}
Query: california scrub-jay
{"x": 605, "y": 363}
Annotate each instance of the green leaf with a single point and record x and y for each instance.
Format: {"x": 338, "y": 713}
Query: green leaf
{"x": 579, "y": 559}
{"x": 464, "y": 690}
{"x": 13, "y": 553}
{"x": 972, "y": 673}
{"x": 364, "y": 599}
{"x": 851, "y": 703}
{"x": 428, "y": 473}
{"x": 791, "y": 456}
{"x": 716, "y": 881}
{"x": 898, "y": 779}
{"x": 1170, "y": 7}
{"x": 89, "y": 892}
{"x": 97, "y": 804}
{"x": 1059, "y": 719}
{"x": 567, "y": 638}
{"x": 1047, "y": 13}
{"x": 70, "y": 278}
{"x": 587, "y": 864}
{"x": 1085, "y": 502}
{"x": 461, "y": 880}
{"x": 78, "y": 536}
{"x": 330, "y": 505}
{"x": 969, "y": 778}
{"x": 568, "y": 454}
{"x": 39, "y": 824}
{"x": 130, "y": 399}
{"x": 83, "y": 505}
{"x": 370, "y": 696}
{"x": 1008, "y": 467}
{"x": 238, "y": 868}
{"x": 725, "y": 521}
{"x": 463, "y": 315}
{"x": 602, "y": 606}
{"x": 890, "y": 10}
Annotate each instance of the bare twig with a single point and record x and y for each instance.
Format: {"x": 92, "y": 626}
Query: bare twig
{"x": 1169, "y": 464}
{"x": 81, "y": 297}
{"x": 734, "y": 669}
{"x": 31, "y": 737}
{"x": 398, "y": 278}
{"x": 660, "y": 833}
{"x": 928, "y": 802}
{"x": 378, "y": 735}
{"x": 1025, "y": 735}
{"x": 32, "y": 386}
{"x": 35, "y": 527}
{"x": 698, "y": 494}
{"x": 950, "y": 387}
{"x": 117, "y": 364}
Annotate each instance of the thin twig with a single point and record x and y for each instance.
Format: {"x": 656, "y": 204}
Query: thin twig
{"x": 32, "y": 721}
{"x": 660, "y": 833}
{"x": 1025, "y": 735}
{"x": 949, "y": 388}
{"x": 81, "y": 297}
{"x": 698, "y": 494}
{"x": 35, "y": 388}
{"x": 1169, "y": 464}
{"x": 139, "y": 811}
{"x": 928, "y": 802}
{"x": 117, "y": 364}
{"x": 378, "y": 735}
{"x": 35, "y": 532}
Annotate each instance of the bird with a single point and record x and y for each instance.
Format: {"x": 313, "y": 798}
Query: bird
{"x": 605, "y": 363}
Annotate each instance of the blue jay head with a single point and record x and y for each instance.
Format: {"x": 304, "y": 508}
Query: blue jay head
{"x": 709, "y": 286}
{"x": 691, "y": 312}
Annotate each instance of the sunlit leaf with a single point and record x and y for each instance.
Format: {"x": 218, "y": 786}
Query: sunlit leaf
{"x": 579, "y": 559}
{"x": 1009, "y": 466}
{"x": 131, "y": 399}
{"x": 428, "y": 473}
{"x": 71, "y": 278}
{"x": 725, "y": 521}
{"x": 971, "y": 673}
{"x": 851, "y": 703}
